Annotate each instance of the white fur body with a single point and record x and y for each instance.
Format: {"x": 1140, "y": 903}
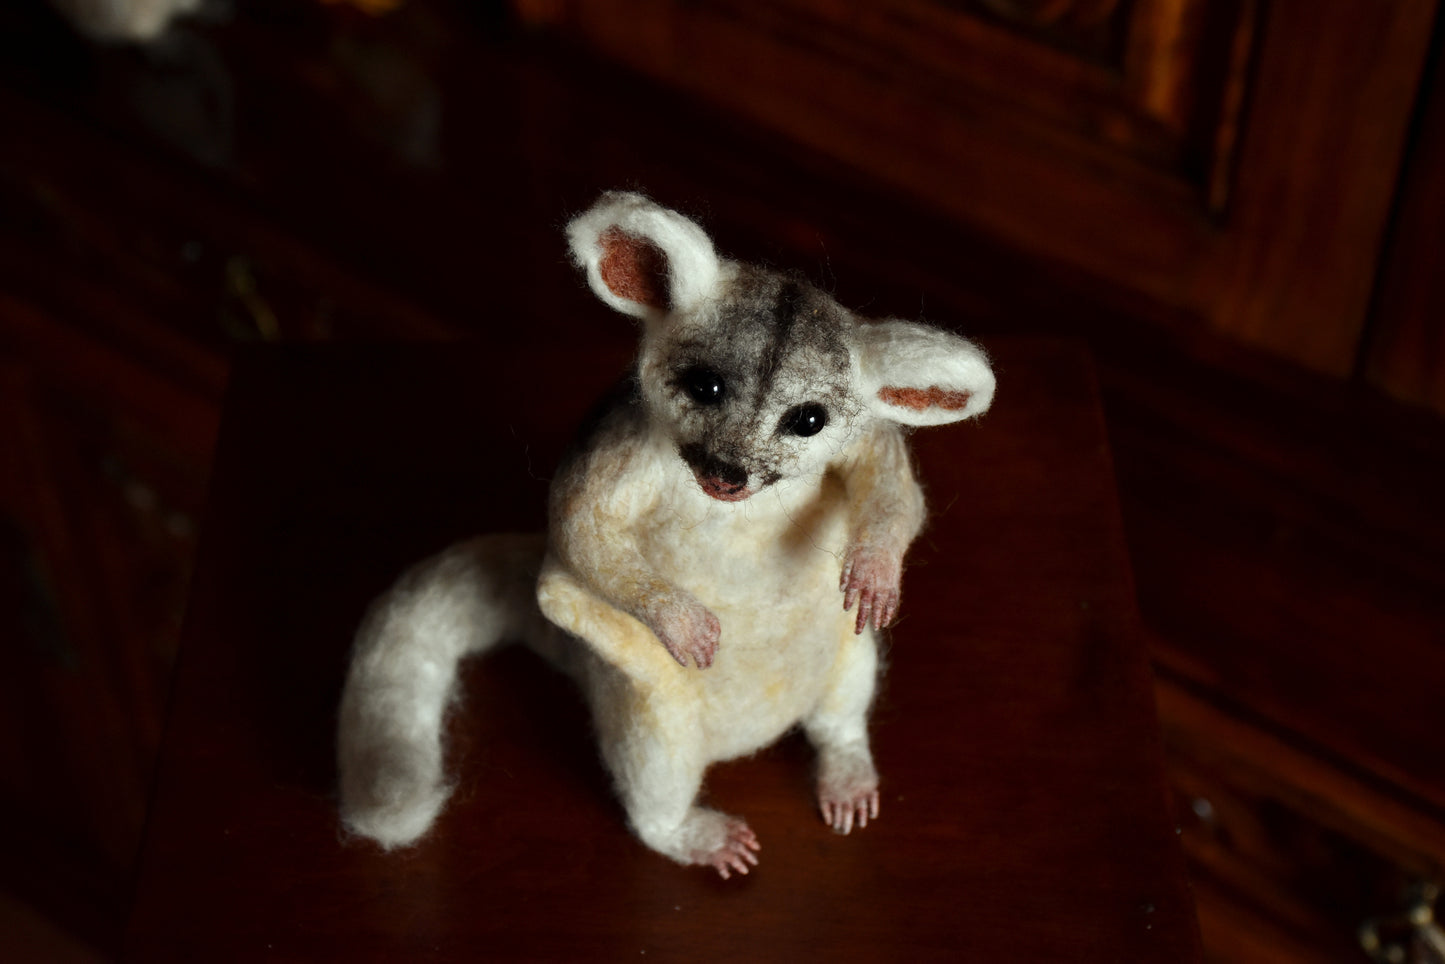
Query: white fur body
{"x": 767, "y": 568}
{"x": 706, "y": 543}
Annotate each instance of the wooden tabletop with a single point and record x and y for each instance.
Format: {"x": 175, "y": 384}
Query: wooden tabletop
{"x": 1024, "y": 811}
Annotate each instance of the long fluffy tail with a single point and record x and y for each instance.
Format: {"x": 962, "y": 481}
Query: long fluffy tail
{"x": 403, "y": 673}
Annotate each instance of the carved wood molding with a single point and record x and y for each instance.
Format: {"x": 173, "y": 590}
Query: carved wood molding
{"x": 1159, "y": 83}
{"x": 1051, "y": 11}
{"x": 1229, "y": 158}
{"x": 1091, "y": 28}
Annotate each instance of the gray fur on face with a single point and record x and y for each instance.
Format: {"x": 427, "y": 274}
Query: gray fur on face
{"x": 777, "y": 343}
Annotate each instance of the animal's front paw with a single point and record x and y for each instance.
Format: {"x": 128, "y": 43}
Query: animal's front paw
{"x": 873, "y": 580}
{"x": 688, "y": 630}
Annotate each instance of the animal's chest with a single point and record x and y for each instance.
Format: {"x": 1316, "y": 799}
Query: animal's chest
{"x": 777, "y": 553}
{"x": 768, "y": 569}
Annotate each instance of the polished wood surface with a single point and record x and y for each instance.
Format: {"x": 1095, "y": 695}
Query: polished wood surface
{"x": 1024, "y": 811}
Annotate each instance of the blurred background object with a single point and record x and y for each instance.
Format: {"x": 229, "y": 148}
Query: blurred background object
{"x": 124, "y": 20}
{"x": 1239, "y": 205}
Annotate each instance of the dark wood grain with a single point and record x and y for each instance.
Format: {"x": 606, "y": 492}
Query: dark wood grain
{"x": 1024, "y": 812}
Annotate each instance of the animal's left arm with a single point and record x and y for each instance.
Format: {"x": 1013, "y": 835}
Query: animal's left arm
{"x": 886, "y": 513}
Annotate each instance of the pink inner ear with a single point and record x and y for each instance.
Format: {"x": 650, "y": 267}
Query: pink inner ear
{"x": 920, "y": 399}
{"x": 634, "y": 268}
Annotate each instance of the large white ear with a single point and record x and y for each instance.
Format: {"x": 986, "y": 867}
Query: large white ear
{"x": 918, "y": 375}
{"x": 643, "y": 259}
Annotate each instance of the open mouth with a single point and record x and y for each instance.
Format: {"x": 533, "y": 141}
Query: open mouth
{"x": 722, "y": 491}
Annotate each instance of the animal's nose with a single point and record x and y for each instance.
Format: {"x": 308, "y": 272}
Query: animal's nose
{"x": 718, "y": 477}
{"x": 723, "y": 480}
{"x": 732, "y": 476}
{"x": 710, "y": 466}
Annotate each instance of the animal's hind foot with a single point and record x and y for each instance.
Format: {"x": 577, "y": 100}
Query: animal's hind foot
{"x": 843, "y": 812}
{"x": 738, "y": 852}
{"x": 728, "y": 844}
{"x": 847, "y": 790}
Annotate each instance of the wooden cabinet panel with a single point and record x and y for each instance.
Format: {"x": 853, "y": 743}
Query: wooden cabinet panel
{"x": 1233, "y": 160}
{"x": 1407, "y": 357}
{"x": 1273, "y": 837}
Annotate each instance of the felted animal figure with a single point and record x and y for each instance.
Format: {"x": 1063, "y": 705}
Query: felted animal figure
{"x": 724, "y": 546}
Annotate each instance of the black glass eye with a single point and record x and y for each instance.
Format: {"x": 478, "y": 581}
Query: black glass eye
{"x": 703, "y": 385}
{"x": 804, "y": 420}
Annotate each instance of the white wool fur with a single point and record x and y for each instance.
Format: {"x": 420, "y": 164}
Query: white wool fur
{"x": 124, "y": 20}
{"x": 699, "y": 596}
{"x": 693, "y": 265}
{"x": 402, "y": 677}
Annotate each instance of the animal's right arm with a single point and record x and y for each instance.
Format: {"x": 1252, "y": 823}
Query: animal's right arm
{"x": 598, "y": 509}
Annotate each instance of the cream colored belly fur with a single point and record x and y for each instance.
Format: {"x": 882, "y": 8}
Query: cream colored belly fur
{"x": 768, "y": 568}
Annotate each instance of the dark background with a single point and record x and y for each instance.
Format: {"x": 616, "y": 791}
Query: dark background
{"x": 1238, "y": 205}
